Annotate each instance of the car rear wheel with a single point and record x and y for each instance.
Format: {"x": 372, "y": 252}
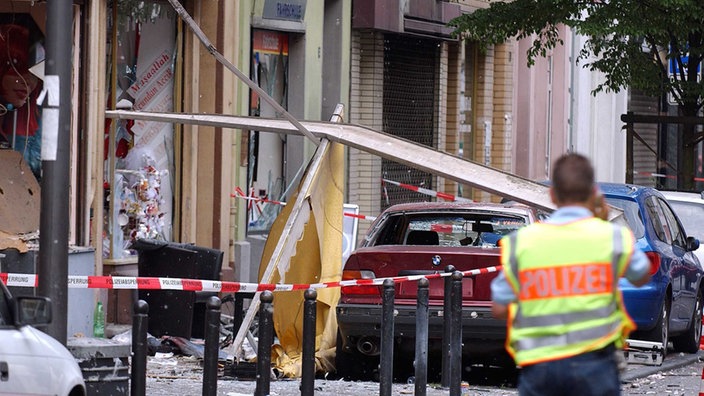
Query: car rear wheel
{"x": 689, "y": 341}
{"x": 661, "y": 331}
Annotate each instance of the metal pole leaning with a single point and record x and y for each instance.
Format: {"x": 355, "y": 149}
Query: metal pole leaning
{"x": 238, "y": 311}
{"x": 446, "y": 330}
{"x": 140, "y": 320}
{"x": 308, "y": 359}
{"x": 456, "y": 338}
{"x": 212, "y": 346}
{"x": 386, "y": 363}
{"x": 421, "y": 360}
{"x": 266, "y": 339}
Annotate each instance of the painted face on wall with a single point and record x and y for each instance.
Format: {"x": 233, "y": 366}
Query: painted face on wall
{"x": 15, "y": 87}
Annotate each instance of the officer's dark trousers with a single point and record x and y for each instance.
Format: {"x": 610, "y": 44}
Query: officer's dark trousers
{"x": 591, "y": 374}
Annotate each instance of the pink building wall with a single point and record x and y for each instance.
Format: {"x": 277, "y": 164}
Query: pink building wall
{"x": 542, "y": 109}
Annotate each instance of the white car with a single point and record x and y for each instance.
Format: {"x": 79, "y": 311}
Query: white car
{"x": 32, "y": 362}
{"x": 689, "y": 208}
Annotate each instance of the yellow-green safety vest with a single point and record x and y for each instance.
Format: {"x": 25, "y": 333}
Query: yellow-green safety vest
{"x": 565, "y": 277}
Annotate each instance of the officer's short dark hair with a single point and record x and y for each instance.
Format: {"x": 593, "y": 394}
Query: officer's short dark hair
{"x": 572, "y": 178}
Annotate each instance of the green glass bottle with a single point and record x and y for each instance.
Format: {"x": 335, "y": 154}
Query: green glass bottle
{"x": 99, "y": 321}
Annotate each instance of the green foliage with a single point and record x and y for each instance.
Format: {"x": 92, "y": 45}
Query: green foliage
{"x": 630, "y": 41}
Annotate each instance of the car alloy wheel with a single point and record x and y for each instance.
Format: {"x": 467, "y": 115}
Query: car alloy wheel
{"x": 690, "y": 340}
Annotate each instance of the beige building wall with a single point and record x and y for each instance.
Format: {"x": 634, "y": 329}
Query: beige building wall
{"x": 483, "y": 113}
{"x": 366, "y": 108}
{"x": 453, "y": 108}
{"x": 492, "y": 112}
{"x": 501, "y": 156}
{"x": 441, "y": 138}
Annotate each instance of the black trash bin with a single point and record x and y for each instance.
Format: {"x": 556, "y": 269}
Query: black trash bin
{"x": 170, "y": 311}
{"x": 176, "y": 312}
{"x": 209, "y": 267}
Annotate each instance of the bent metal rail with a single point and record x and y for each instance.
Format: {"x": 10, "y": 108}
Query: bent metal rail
{"x": 152, "y": 283}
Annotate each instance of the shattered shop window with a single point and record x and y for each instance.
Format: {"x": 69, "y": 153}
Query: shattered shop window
{"x": 139, "y": 155}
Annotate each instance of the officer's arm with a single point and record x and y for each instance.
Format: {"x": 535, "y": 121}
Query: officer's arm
{"x": 638, "y": 271}
{"x": 501, "y": 295}
{"x": 642, "y": 280}
{"x": 499, "y": 311}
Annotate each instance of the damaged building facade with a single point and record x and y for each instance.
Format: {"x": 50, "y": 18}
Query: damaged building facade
{"x": 393, "y": 64}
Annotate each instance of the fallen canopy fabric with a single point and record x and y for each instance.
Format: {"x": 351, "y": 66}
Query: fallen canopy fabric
{"x": 317, "y": 258}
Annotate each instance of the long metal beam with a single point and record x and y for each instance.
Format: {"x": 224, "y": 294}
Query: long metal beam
{"x": 384, "y": 145}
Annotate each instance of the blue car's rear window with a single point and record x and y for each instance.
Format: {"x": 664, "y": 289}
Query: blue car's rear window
{"x": 632, "y": 214}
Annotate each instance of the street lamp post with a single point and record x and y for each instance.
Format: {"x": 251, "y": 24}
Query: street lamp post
{"x": 56, "y": 128}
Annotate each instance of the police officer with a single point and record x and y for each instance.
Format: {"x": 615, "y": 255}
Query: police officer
{"x": 559, "y": 290}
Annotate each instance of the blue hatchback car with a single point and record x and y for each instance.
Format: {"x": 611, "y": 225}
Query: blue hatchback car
{"x": 669, "y": 307}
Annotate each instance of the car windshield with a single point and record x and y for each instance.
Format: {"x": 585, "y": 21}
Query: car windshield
{"x": 691, "y": 215}
{"x": 448, "y": 229}
{"x": 632, "y": 214}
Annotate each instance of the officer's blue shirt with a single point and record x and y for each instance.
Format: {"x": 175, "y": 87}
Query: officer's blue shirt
{"x": 501, "y": 291}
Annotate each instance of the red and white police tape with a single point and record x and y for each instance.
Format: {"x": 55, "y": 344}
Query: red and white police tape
{"x": 257, "y": 200}
{"x": 432, "y": 193}
{"x": 662, "y": 175}
{"x": 150, "y": 283}
{"x": 653, "y": 174}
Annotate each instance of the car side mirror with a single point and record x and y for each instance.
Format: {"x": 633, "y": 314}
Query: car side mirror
{"x": 33, "y": 311}
{"x": 692, "y": 244}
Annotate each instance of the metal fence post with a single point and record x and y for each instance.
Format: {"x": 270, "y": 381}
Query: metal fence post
{"x": 456, "y": 335}
{"x": 386, "y": 363}
{"x": 140, "y": 321}
{"x": 308, "y": 359}
{"x": 421, "y": 359}
{"x": 446, "y": 329}
{"x": 266, "y": 339}
{"x": 212, "y": 346}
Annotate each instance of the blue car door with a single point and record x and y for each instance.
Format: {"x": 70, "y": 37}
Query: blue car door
{"x": 682, "y": 270}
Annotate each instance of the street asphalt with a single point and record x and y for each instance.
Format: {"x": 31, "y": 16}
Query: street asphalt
{"x": 679, "y": 375}
{"x": 673, "y": 361}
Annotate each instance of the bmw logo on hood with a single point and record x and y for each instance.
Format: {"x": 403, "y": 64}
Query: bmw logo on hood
{"x": 437, "y": 260}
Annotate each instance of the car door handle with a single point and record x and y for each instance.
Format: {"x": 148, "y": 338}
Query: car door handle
{"x": 4, "y": 372}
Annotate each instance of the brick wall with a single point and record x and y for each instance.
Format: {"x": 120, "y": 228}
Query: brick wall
{"x": 483, "y": 110}
{"x": 503, "y": 105}
{"x": 366, "y": 106}
{"x": 453, "y": 105}
{"x": 494, "y": 105}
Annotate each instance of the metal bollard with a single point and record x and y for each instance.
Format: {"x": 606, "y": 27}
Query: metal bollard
{"x": 140, "y": 321}
{"x": 421, "y": 358}
{"x": 212, "y": 346}
{"x": 386, "y": 364}
{"x": 456, "y": 335}
{"x": 308, "y": 359}
{"x": 446, "y": 329}
{"x": 266, "y": 339}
